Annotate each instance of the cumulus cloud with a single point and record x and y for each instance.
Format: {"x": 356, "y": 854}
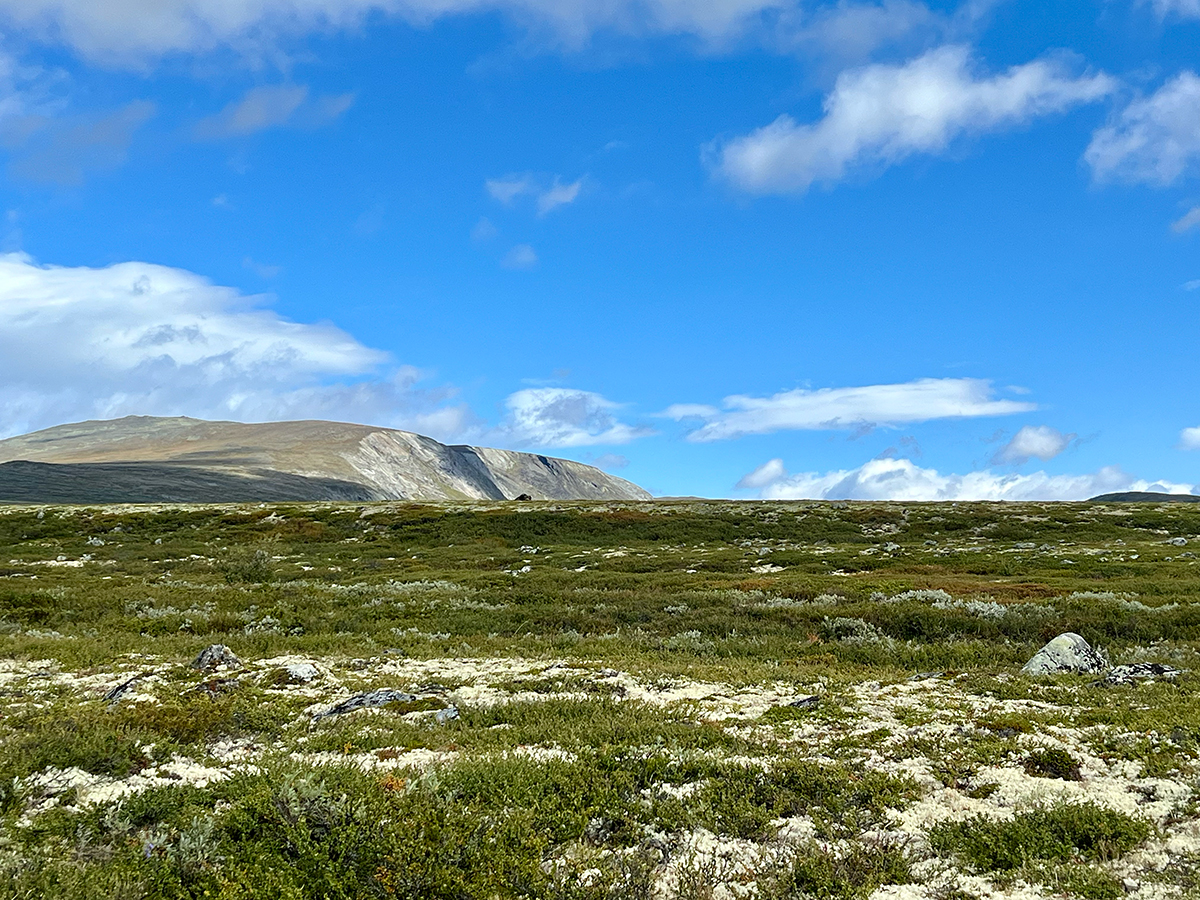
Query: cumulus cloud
{"x": 1154, "y": 139}
{"x": 847, "y": 408}
{"x": 881, "y": 114}
{"x": 136, "y": 338}
{"x": 1033, "y": 442}
{"x": 767, "y": 474}
{"x": 902, "y": 479}
{"x": 563, "y": 417}
{"x": 1189, "y": 438}
{"x": 271, "y": 106}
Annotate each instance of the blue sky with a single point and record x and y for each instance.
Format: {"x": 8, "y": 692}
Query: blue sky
{"x": 735, "y": 248}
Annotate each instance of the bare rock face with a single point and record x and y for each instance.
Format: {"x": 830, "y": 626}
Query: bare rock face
{"x": 1065, "y": 654}
{"x": 146, "y": 459}
{"x": 216, "y": 656}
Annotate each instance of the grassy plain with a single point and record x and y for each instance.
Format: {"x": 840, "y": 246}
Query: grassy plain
{"x": 602, "y": 700}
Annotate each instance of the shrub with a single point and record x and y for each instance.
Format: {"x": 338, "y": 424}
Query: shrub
{"x": 1058, "y": 833}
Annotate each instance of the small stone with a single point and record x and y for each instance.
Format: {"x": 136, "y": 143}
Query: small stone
{"x": 1176, "y": 541}
{"x": 1064, "y": 654}
{"x": 214, "y": 657}
{"x": 113, "y": 697}
{"x": 891, "y": 547}
{"x": 804, "y": 702}
{"x": 449, "y": 714}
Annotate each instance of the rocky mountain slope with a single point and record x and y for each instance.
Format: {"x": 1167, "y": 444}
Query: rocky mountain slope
{"x": 151, "y": 459}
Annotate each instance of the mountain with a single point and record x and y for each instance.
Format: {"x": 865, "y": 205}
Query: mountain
{"x": 1145, "y": 497}
{"x": 152, "y": 459}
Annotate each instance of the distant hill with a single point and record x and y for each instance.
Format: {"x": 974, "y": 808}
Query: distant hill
{"x": 151, "y": 459}
{"x": 1145, "y": 497}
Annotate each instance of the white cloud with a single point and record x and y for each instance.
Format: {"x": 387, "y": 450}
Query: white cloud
{"x": 901, "y": 479}
{"x": 270, "y": 106}
{"x": 881, "y": 114}
{"x": 1033, "y": 441}
{"x": 1188, "y": 220}
{"x": 563, "y": 417}
{"x": 1154, "y": 139}
{"x": 521, "y": 256}
{"x": 847, "y": 408}
{"x": 1189, "y": 438}
{"x": 768, "y": 473}
{"x": 136, "y": 338}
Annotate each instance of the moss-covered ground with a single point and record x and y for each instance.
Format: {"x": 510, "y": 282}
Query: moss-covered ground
{"x": 597, "y": 700}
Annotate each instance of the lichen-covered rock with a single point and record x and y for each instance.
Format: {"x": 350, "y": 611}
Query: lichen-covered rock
{"x": 1067, "y": 653}
{"x": 1132, "y": 674}
{"x": 300, "y": 673}
{"x": 380, "y": 697}
{"x": 214, "y": 657}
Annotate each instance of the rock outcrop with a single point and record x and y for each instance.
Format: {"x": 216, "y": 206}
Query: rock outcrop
{"x": 149, "y": 459}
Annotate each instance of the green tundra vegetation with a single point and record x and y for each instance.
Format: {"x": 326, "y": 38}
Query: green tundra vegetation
{"x": 685, "y": 699}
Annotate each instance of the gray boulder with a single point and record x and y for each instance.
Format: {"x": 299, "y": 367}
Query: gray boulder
{"x": 1067, "y": 653}
{"x": 214, "y": 657}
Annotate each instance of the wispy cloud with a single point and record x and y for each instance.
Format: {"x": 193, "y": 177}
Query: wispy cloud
{"x": 521, "y": 256}
{"x": 1187, "y": 221}
{"x": 558, "y": 194}
{"x": 63, "y": 149}
{"x": 847, "y": 408}
{"x": 1185, "y": 9}
{"x": 1189, "y": 438}
{"x": 132, "y": 33}
{"x": 902, "y": 479}
{"x": 548, "y": 194}
{"x": 271, "y": 106}
{"x": 881, "y": 114}
{"x": 1153, "y": 139}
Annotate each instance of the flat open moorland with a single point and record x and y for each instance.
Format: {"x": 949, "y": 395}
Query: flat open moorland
{"x": 684, "y": 699}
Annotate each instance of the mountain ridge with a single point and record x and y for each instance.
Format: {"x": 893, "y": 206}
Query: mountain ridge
{"x": 197, "y": 460}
